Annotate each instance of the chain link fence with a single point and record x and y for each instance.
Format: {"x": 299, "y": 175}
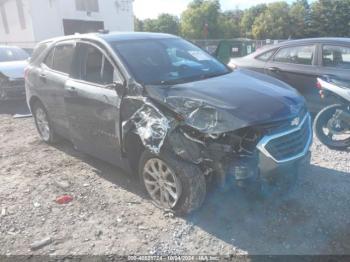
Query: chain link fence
{"x": 210, "y": 45}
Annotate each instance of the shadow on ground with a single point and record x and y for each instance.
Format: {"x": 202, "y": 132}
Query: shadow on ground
{"x": 14, "y": 107}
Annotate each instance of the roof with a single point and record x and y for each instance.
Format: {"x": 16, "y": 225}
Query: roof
{"x": 124, "y": 36}
{"x": 113, "y": 36}
{"x": 316, "y": 40}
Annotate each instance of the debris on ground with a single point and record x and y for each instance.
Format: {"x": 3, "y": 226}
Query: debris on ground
{"x": 64, "y": 199}
{"x": 22, "y": 116}
{"x": 41, "y": 243}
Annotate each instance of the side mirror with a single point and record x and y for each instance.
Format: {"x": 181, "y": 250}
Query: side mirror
{"x": 119, "y": 87}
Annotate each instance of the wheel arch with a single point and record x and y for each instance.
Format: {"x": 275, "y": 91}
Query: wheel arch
{"x": 133, "y": 148}
{"x": 33, "y": 100}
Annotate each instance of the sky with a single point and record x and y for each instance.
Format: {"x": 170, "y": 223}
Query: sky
{"x": 152, "y": 8}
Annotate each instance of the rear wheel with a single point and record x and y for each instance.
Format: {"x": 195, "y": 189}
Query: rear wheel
{"x": 171, "y": 183}
{"x": 43, "y": 124}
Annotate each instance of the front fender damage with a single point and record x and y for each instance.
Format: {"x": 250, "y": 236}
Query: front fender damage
{"x": 187, "y": 135}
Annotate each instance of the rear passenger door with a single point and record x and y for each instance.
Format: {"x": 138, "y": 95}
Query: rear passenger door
{"x": 298, "y": 67}
{"x": 92, "y": 103}
{"x": 52, "y": 76}
{"x": 336, "y": 61}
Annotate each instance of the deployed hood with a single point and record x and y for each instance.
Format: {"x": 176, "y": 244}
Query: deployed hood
{"x": 233, "y": 101}
{"x": 14, "y": 69}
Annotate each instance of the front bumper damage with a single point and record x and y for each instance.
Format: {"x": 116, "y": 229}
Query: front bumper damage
{"x": 193, "y": 133}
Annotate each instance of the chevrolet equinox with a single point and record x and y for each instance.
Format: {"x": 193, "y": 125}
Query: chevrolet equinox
{"x": 157, "y": 105}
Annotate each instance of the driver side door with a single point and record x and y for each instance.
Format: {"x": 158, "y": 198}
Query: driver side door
{"x": 92, "y": 103}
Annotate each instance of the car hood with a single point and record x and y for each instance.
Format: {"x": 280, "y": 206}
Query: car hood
{"x": 14, "y": 69}
{"x": 230, "y": 102}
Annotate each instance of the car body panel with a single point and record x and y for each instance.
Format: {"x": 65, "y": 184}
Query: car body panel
{"x": 12, "y": 80}
{"x": 234, "y": 105}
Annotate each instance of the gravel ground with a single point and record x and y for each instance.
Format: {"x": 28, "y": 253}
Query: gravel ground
{"x": 111, "y": 215}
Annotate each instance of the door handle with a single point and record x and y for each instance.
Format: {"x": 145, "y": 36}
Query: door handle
{"x": 274, "y": 69}
{"x": 72, "y": 90}
{"x": 42, "y": 77}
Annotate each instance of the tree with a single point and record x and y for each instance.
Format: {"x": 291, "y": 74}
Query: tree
{"x": 300, "y": 19}
{"x": 201, "y": 19}
{"x": 249, "y": 17}
{"x": 168, "y": 24}
{"x": 165, "y": 23}
{"x": 273, "y": 23}
{"x": 330, "y": 18}
{"x": 229, "y": 24}
{"x": 138, "y": 24}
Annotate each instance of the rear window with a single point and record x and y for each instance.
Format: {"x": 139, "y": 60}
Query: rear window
{"x": 63, "y": 57}
{"x": 8, "y": 54}
{"x": 336, "y": 56}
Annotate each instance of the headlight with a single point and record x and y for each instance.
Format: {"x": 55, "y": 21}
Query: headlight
{"x": 232, "y": 65}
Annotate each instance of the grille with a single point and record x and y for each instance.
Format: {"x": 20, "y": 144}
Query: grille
{"x": 291, "y": 144}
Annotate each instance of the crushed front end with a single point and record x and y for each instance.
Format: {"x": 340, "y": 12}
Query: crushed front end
{"x": 248, "y": 155}
{"x": 200, "y": 133}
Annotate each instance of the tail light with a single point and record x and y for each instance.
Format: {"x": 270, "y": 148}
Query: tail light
{"x": 319, "y": 85}
{"x": 26, "y": 72}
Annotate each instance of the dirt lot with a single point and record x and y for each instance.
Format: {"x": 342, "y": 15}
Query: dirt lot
{"x": 110, "y": 214}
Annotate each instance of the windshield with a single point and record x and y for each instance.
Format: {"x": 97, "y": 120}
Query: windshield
{"x": 167, "y": 61}
{"x": 8, "y": 54}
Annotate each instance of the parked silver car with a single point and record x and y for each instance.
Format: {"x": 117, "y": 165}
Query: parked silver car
{"x": 13, "y": 61}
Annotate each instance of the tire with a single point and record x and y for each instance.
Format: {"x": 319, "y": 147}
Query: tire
{"x": 191, "y": 184}
{"x": 321, "y": 120}
{"x": 49, "y": 136}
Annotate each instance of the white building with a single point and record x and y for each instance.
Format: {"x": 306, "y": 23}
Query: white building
{"x": 26, "y": 22}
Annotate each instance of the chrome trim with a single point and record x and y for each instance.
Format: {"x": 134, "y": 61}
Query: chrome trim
{"x": 265, "y": 140}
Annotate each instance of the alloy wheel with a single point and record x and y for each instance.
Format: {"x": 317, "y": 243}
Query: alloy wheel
{"x": 42, "y": 123}
{"x": 161, "y": 183}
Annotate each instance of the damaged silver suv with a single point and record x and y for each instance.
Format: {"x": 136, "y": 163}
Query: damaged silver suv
{"x": 161, "y": 107}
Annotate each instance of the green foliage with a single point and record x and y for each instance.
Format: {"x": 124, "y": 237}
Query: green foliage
{"x": 229, "y": 24}
{"x": 165, "y": 23}
{"x": 274, "y": 22}
{"x": 300, "y": 19}
{"x": 330, "y": 18}
{"x": 279, "y": 20}
{"x": 201, "y": 19}
{"x": 249, "y": 17}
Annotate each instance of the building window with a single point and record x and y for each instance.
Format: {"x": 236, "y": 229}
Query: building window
{"x": 4, "y": 19}
{"x": 20, "y": 10}
{"x": 87, "y": 5}
{"x": 122, "y": 5}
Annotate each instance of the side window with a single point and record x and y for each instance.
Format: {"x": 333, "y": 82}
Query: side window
{"x": 94, "y": 66}
{"x": 336, "y": 56}
{"x": 302, "y": 55}
{"x": 265, "y": 56}
{"x": 63, "y": 57}
{"x": 49, "y": 58}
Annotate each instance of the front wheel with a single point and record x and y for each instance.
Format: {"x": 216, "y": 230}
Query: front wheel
{"x": 330, "y": 130}
{"x": 43, "y": 123}
{"x": 171, "y": 183}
